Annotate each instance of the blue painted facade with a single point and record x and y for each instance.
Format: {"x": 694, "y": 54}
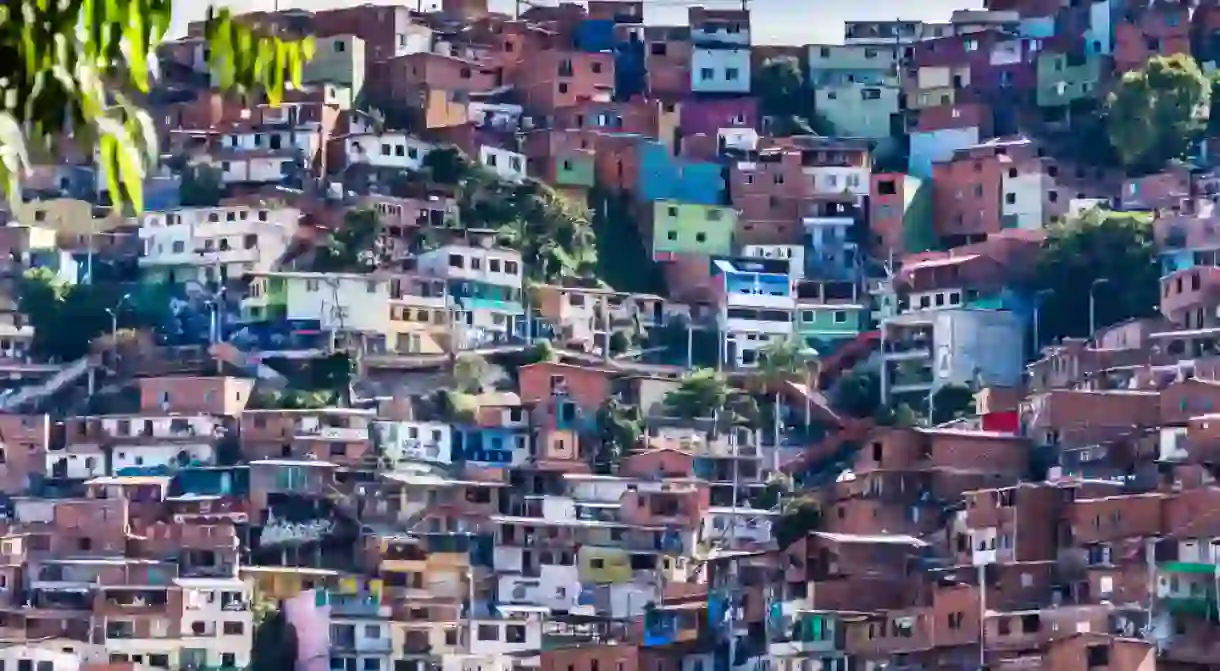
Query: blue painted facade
{"x": 1177, "y": 259}
{"x": 630, "y": 69}
{"x": 481, "y": 445}
{"x": 222, "y": 481}
{"x": 752, "y": 283}
{"x": 595, "y": 35}
{"x": 665, "y": 177}
{"x": 485, "y": 296}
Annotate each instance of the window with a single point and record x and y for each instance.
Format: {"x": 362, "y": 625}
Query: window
{"x": 370, "y": 664}
{"x": 701, "y": 237}
{"x": 713, "y": 215}
{"x": 232, "y": 629}
{"x": 840, "y": 316}
{"x": 340, "y": 46}
{"x": 1010, "y": 198}
{"x": 488, "y": 632}
{"x": 515, "y": 633}
{"x": 456, "y": 261}
{"x": 563, "y": 88}
{"x": 870, "y": 94}
{"x": 596, "y": 68}
{"x": 887, "y": 187}
{"x": 706, "y": 74}
{"x": 672, "y": 236}
{"x": 672, "y": 211}
{"x": 385, "y": 150}
{"x": 730, "y": 74}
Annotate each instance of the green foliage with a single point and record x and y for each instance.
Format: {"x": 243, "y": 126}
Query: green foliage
{"x": 800, "y": 516}
{"x": 550, "y": 230}
{"x": 952, "y": 401}
{"x": 901, "y": 416}
{"x": 448, "y": 165}
{"x": 620, "y": 342}
{"x": 785, "y": 97}
{"x": 789, "y": 360}
{"x": 274, "y": 644}
{"x": 539, "y": 352}
{"x": 468, "y": 372}
{"x": 294, "y": 399}
{"x": 857, "y": 394}
{"x": 458, "y": 407}
{"x": 704, "y": 393}
{"x": 1114, "y": 247}
{"x": 77, "y": 67}
{"x": 66, "y": 318}
{"x": 623, "y": 260}
{"x": 355, "y": 248}
{"x": 202, "y": 186}
{"x": 619, "y": 429}
{"x": 1156, "y": 112}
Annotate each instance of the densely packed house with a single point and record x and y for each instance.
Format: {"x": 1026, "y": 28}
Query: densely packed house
{"x": 570, "y": 342}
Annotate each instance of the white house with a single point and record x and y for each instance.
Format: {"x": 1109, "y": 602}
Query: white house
{"x": 211, "y": 244}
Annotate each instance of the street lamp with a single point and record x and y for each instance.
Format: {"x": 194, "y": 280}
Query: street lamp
{"x": 809, "y": 355}
{"x": 1038, "y": 299}
{"x": 1093, "y": 304}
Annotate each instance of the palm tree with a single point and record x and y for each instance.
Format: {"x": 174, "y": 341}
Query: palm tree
{"x": 468, "y": 372}
{"x": 787, "y": 361}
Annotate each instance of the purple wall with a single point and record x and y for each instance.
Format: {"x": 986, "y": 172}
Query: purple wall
{"x": 709, "y": 116}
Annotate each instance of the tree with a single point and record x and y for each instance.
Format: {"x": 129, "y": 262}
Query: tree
{"x": 619, "y": 428}
{"x": 799, "y": 517}
{"x": 1156, "y": 112}
{"x": 857, "y": 394}
{"x": 67, "y": 318}
{"x": 468, "y": 372}
{"x": 702, "y": 393}
{"x": 72, "y": 72}
{"x": 950, "y": 402}
{"x": 620, "y": 342}
{"x": 356, "y": 247}
{"x": 202, "y": 186}
{"x": 786, "y": 361}
{"x": 274, "y": 643}
{"x": 786, "y": 99}
{"x": 1111, "y": 254}
{"x": 447, "y": 165}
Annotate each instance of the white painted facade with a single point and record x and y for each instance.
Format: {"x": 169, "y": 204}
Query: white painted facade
{"x": 834, "y": 180}
{"x": 39, "y": 657}
{"x": 414, "y": 441}
{"x": 498, "y": 266}
{"x": 506, "y": 164}
{"x": 216, "y": 617}
{"x": 1023, "y": 198}
{"x": 387, "y": 150}
{"x": 505, "y": 637}
{"x": 794, "y": 254}
{"x": 556, "y": 586}
{"x": 720, "y": 524}
{"x": 340, "y": 301}
{"x": 201, "y": 243}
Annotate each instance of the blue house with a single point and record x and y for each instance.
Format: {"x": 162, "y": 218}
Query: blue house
{"x": 491, "y": 446}
{"x": 662, "y": 176}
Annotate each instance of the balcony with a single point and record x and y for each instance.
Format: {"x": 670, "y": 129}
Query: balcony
{"x": 332, "y": 433}
{"x": 915, "y": 348}
{"x": 357, "y": 605}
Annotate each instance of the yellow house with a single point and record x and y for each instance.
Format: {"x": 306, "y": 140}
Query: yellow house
{"x": 72, "y": 220}
{"x": 285, "y": 582}
{"x": 419, "y": 316}
{"x": 603, "y": 565}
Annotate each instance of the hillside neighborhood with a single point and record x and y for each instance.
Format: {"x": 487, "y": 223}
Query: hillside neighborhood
{"x": 382, "y": 339}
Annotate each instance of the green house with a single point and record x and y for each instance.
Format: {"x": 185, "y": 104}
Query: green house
{"x": 690, "y": 228}
{"x": 577, "y": 168}
{"x": 831, "y": 322}
{"x": 1067, "y": 78}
